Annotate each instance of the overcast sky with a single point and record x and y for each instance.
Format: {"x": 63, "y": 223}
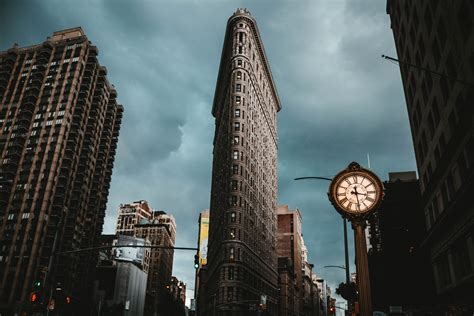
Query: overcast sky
{"x": 340, "y": 100}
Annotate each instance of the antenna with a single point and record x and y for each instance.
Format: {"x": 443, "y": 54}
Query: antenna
{"x": 368, "y": 160}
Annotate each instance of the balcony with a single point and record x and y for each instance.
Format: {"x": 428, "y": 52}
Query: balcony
{"x": 29, "y": 101}
{"x": 24, "y": 119}
{"x": 26, "y": 110}
{"x": 22, "y": 128}
{"x": 10, "y": 60}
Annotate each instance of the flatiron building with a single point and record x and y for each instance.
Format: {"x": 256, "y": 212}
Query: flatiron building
{"x": 242, "y": 260}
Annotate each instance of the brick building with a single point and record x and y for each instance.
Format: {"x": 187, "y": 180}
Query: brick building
{"x": 289, "y": 246}
{"x": 160, "y": 231}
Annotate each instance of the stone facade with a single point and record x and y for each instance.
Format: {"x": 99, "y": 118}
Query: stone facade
{"x": 435, "y": 42}
{"x": 242, "y": 261}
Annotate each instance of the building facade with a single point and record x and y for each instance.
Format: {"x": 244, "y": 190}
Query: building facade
{"x": 397, "y": 229}
{"x": 289, "y": 245}
{"x": 59, "y": 124}
{"x": 158, "y": 228}
{"x": 242, "y": 261}
{"x": 203, "y": 238}
{"x": 160, "y": 231}
{"x": 131, "y": 214}
{"x": 435, "y": 43}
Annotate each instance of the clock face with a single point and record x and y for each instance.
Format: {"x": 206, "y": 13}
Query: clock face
{"x": 356, "y": 192}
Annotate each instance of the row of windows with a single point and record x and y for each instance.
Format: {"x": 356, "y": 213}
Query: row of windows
{"x": 454, "y": 265}
{"x": 447, "y": 190}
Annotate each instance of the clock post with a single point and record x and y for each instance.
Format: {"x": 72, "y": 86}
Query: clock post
{"x": 362, "y": 268}
{"x": 355, "y": 193}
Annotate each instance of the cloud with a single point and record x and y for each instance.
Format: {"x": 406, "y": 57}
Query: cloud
{"x": 340, "y": 100}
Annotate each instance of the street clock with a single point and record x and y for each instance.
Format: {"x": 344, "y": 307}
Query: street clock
{"x": 356, "y": 192}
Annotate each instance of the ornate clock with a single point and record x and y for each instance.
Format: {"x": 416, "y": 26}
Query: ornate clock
{"x": 356, "y": 192}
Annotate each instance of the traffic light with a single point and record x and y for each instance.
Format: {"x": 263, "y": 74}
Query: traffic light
{"x": 196, "y": 261}
{"x": 68, "y": 300}
{"x": 34, "y": 297}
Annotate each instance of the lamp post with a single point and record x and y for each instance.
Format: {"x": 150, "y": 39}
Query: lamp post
{"x": 356, "y": 192}
{"x": 344, "y": 223}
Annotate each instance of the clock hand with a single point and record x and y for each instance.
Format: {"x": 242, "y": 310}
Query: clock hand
{"x": 357, "y": 197}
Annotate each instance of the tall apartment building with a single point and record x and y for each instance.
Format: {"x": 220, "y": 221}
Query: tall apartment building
{"x": 289, "y": 246}
{"x": 59, "y": 123}
{"x": 131, "y": 214}
{"x": 242, "y": 261}
{"x": 160, "y": 231}
{"x": 437, "y": 37}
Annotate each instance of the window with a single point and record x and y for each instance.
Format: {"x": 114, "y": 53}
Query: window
{"x": 232, "y": 214}
{"x": 239, "y": 75}
{"x": 239, "y": 62}
{"x": 240, "y": 49}
{"x": 235, "y": 154}
{"x": 444, "y": 273}
{"x": 238, "y": 87}
{"x": 232, "y": 233}
{"x": 231, "y": 254}
{"x": 230, "y": 273}
{"x": 237, "y": 113}
{"x": 237, "y": 126}
{"x": 235, "y": 168}
{"x": 237, "y": 99}
{"x": 461, "y": 262}
{"x": 236, "y": 140}
{"x": 234, "y": 184}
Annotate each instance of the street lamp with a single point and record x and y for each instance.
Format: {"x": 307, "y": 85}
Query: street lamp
{"x": 340, "y": 267}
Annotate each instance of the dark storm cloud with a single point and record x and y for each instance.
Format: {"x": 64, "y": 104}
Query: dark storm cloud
{"x": 340, "y": 100}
